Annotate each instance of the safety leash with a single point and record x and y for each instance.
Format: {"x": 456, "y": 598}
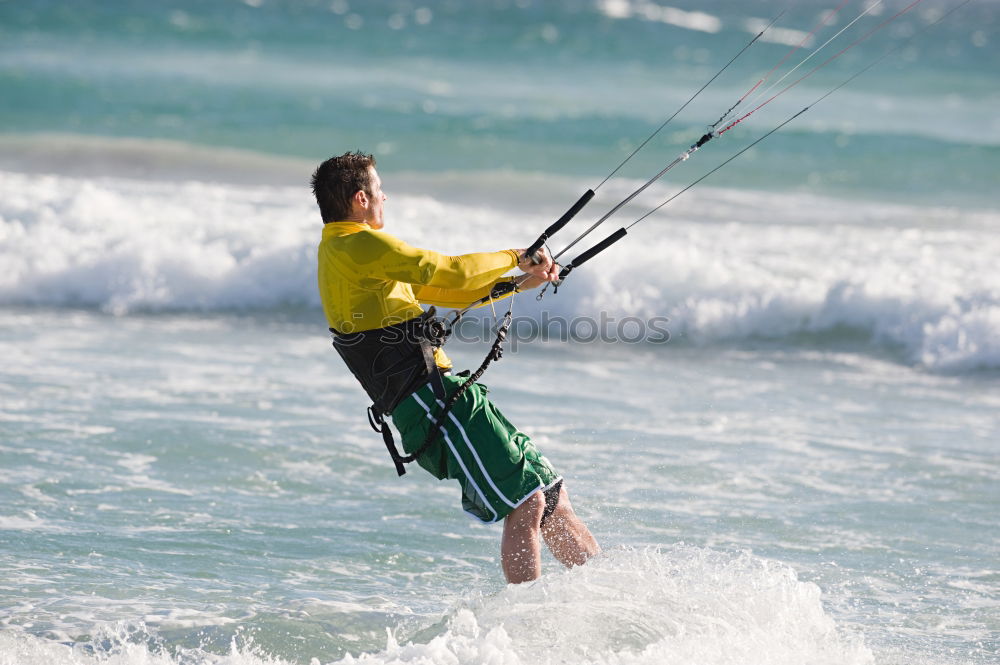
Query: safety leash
{"x": 437, "y": 423}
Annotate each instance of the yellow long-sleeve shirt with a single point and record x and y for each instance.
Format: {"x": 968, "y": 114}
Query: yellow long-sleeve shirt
{"x": 370, "y": 279}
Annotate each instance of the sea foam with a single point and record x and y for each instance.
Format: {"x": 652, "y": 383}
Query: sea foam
{"x": 722, "y": 265}
{"x": 679, "y": 604}
{"x": 628, "y": 607}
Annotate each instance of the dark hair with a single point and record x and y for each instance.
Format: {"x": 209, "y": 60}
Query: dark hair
{"x": 336, "y": 181}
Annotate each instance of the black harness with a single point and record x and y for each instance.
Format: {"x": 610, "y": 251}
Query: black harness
{"x": 391, "y": 363}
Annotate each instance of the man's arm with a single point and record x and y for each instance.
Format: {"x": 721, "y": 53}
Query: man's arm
{"x": 454, "y": 298}
{"x": 383, "y": 256}
{"x": 534, "y": 275}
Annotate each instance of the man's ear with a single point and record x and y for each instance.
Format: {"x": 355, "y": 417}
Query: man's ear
{"x": 361, "y": 198}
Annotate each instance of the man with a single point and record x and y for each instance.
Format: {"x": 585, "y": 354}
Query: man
{"x": 371, "y": 285}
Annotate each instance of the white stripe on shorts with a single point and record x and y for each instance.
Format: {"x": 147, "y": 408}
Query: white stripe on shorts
{"x": 482, "y": 467}
{"x": 458, "y": 457}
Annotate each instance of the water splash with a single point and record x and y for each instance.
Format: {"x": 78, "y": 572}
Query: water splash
{"x": 674, "y": 605}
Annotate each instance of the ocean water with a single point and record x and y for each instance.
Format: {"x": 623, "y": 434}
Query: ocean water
{"x": 775, "y": 402}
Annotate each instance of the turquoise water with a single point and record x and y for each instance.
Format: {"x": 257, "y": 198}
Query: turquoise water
{"x": 218, "y": 486}
{"x": 806, "y": 471}
{"x": 566, "y": 88}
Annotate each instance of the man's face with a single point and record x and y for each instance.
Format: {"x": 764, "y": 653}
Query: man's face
{"x": 375, "y": 210}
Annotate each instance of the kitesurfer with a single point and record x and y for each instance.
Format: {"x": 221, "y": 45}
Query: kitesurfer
{"x": 371, "y": 285}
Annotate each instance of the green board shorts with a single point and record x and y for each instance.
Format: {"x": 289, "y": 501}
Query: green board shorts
{"x": 497, "y": 465}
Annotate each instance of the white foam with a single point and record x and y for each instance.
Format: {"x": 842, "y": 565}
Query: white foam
{"x": 651, "y": 11}
{"x": 136, "y": 463}
{"x": 931, "y": 291}
{"x": 695, "y": 20}
{"x": 776, "y": 35}
{"x": 723, "y": 265}
{"x": 29, "y": 521}
{"x": 24, "y": 649}
{"x": 681, "y": 605}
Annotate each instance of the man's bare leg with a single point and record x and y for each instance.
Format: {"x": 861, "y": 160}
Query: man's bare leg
{"x": 521, "y": 548}
{"x": 567, "y": 537}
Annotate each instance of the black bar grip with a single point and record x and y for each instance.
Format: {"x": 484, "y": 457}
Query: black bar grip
{"x": 559, "y": 223}
{"x": 599, "y": 247}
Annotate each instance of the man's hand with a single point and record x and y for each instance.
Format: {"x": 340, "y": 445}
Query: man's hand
{"x": 546, "y": 270}
{"x": 526, "y": 281}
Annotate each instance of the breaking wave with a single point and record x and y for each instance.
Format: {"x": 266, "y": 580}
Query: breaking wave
{"x": 722, "y": 265}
